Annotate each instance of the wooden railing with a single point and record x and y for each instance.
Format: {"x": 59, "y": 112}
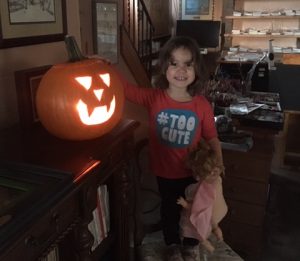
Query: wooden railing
{"x": 133, "y": 61}
{"x": 139, "y": 27}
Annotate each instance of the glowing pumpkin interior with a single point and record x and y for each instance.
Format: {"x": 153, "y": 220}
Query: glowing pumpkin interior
{"x": 99, "y": 114}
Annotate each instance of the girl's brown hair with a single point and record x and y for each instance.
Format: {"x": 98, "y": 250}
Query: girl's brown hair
{"x": 165, "y": 57}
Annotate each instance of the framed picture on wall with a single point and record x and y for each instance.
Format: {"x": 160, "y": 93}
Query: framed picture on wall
{"x": 105, "y": 29}
{"x": 27, "y": 83}
{"x": 24, "y": 22}
{"x": 197, "y": 9}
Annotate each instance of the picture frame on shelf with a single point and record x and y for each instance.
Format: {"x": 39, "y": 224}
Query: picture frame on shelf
{"x": 105, "y": 29}
{"x": 27, "y": 82}
{"x": 31, "y": 22}
{"x": 197, "y": 9}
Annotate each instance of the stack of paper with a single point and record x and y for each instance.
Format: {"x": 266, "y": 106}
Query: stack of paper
{"x": 237, "y": 13}
{"x": 289, "y": 12}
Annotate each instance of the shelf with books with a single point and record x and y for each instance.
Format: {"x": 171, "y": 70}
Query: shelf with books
{"x": 270, "y": 36}
{"x": 58, "y": 215}
{"x": 265, "y": 20}
{"x": 100, "y": 225}
{"x": 242, "y": 17}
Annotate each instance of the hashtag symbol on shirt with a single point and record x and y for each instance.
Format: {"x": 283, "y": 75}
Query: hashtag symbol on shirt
{"x": 163, "y": 118}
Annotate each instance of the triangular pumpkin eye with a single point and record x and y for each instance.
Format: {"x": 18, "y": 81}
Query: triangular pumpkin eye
{"x": 105, "y": 78}
{"x": 85, "y": 81}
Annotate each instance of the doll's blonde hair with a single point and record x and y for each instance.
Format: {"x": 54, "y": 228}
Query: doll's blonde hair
{"x": 202, "y": 160}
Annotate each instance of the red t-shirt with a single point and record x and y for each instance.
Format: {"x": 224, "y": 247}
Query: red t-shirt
{"x": 174, "y": 127}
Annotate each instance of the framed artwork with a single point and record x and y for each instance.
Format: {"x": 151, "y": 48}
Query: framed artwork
{"x": 105, "y": 30}
{"x": 26, "y": 22}
{"x": 197, "y": 9}
{"x": 27, "y": 82}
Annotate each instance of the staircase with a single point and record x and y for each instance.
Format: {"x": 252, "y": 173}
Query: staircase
{"x": 136, "y": 40}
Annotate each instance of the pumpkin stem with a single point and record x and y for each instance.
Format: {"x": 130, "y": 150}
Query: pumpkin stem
{"x": 74, "y": 52}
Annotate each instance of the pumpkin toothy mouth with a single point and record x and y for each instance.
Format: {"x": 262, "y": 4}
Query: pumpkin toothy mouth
{"x": 99, "y": 115}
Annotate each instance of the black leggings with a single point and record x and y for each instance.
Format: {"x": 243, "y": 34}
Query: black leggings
{"x": 170, "y": 190}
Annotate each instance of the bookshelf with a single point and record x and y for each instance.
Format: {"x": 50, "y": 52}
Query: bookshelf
{"x": 58, "y": 228}
{"x": 253, "y": 23}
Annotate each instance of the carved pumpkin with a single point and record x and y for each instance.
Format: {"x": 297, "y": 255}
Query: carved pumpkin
{"x": 80, "y": 100}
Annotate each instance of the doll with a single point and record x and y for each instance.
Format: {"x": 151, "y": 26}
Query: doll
{"x": 204, "y": 205}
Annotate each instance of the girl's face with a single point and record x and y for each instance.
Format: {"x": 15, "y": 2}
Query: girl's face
{"x": 180, "y": 72}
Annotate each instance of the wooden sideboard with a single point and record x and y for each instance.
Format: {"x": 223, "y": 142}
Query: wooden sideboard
{"x": 246, "y": 185}
{"x": 61, "y": 217}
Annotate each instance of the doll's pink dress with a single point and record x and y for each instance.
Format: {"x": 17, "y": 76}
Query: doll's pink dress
{"x": 208, "y": 205}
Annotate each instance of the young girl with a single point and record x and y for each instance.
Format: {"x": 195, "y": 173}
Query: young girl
{"x": 204, "y": 205}
{"x": 178, "y": 119}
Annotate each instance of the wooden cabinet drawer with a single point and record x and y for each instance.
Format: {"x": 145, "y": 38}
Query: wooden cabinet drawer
{"x": 45, "y": 231}
{"x": 244, "y": 190}
{"x": 245, "y": 213}
{"x": 246, "y": 240}
{"x": 247, "y": 165}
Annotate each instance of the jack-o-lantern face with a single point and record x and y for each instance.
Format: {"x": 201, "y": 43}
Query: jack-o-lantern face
{"x": 81, "y": 100}
{"x": 105, "y": 108}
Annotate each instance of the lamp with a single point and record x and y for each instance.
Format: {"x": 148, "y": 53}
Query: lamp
{"x": 269, "y": 56}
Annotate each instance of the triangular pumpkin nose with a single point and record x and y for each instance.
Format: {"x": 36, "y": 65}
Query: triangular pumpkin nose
{"x": 103, "y": 82}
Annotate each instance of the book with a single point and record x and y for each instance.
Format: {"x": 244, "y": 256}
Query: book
{"x": 106, "y": 206}
{"x": 100, "y": 216}
{"x": 100, "y": 225}
{"x": 96, "y": 229}
{"x": 104, "y": 202}
{"x": 53, "y": 255}
{"x": 96, "y": 221}
{"x": 92, "y": 229}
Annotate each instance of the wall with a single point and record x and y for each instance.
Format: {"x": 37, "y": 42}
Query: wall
{"x": 13, "y": 59}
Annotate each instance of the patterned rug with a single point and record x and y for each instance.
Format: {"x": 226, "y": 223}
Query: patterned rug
{"x": 153, "y": 248}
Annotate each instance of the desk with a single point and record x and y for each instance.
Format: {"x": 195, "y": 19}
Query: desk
{"x": 245, "y": 188}
{"x": 67, "y": 212}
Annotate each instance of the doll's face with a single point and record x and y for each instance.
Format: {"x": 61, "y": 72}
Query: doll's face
{"x": 215, "y": 173}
